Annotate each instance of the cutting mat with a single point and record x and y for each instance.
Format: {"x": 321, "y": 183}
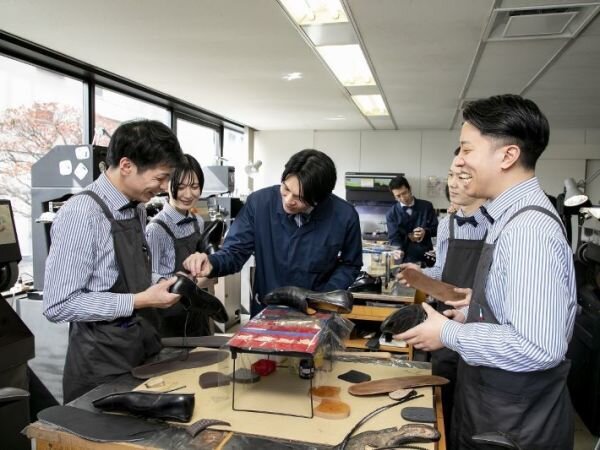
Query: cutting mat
{"x": 284, "y": 391}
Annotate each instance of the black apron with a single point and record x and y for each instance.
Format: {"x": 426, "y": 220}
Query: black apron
{"x": 99, "y": 352}
{"x": 177, "y": 321}
{"x": 459, "y": 269}
{"x": 533, "y": 408}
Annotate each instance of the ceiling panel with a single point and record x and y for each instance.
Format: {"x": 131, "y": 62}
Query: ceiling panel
{"x": 421, "y": 51}
{"x": 506, "y": 67}
{"x": 569, "y": 93}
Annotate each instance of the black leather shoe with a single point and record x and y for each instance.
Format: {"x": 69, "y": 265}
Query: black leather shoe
{"x": 301, "y": 299}
{"x": 366, "y": 283}
{"x": 174, "y": 407}
{"x": 212, "y": 236}
{"x": 339, "y": 301}
{"x": 403, "y": 319}
{"x": 198, "y": 299}
{"x": 292, "y": 296}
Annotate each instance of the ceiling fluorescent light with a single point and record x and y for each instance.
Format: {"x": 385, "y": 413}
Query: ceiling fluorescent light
{"x": 348, "y": 64}
{"x": 371, "y": 105}
{"x": 312, "y": 12}
{"x": 292, "y": 76}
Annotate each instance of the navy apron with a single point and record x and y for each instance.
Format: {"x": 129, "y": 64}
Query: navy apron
{"x": 533, "y": 408}
{"x": 459, "y": 270}
{"x": 99, "y": 352}
{"x": 176, "y": 321}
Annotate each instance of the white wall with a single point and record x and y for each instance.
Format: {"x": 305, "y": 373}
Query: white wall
{"x": 419, "y": 154}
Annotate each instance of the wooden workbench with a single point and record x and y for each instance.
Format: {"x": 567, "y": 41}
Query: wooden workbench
{"x": 49, "y": 438}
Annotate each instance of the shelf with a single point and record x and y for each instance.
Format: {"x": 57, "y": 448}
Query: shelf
{"x": 374, "y": 313}
{"x": 361, "y": 344}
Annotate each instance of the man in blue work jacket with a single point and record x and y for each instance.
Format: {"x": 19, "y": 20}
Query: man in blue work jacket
{"x": 411, "y": 223}
{"x": 300, "y": 233}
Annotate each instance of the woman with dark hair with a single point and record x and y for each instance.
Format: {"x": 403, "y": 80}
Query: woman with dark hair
{"x": 173, "y": 235}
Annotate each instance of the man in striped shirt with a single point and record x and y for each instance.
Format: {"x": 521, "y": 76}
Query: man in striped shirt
{"x": 513, "y": 338}
{"x": 98, "y": 272}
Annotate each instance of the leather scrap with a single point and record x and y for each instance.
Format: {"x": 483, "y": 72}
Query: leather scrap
{"x": 437, "y": 289}
{"x": 190, "y": 360}
{"x": 387, "y": 385}
{"x": 354, "y": 376}
{"x": 418, "y": 414}
{"x": 332, "y": 408}
{"x": 202, "y": 424}
{"x": 99, "y": 427}
{"x": 209, "y": 380}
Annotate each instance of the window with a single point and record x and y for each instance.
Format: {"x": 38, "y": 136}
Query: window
{"x": 113, "y": 108}
{"x": 199, "y": 141}
{"x": 235, "y": 153}
{"x": 38, "y": 110}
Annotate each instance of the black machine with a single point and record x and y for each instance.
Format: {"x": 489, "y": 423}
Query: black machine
{"x": 370, "y": 194}
{"x": 64, "y": 171}
{"x": 16, "y": 341}
{"x": 584, "y": 349}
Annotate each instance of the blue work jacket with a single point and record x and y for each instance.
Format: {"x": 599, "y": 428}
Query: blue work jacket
{"x": 323, "y": 254}
{"x": 400, "y": 223}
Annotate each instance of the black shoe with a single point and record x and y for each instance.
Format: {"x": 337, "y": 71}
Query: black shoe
{"x": 366, "y": 283}
{"x": 403, "y": 319}
{"x": 304, "y": 299}
{"x": 212, "y": 236}
{"x": 153, "y": 405}
{"x": 198, "y": 299}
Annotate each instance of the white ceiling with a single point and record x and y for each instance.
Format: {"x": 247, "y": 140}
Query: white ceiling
{"x": 229, "y": 56}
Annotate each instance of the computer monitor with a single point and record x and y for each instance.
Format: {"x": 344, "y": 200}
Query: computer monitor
{"x": 9, "y": 242}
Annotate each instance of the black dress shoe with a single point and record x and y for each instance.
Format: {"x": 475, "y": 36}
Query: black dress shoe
{"x": 212, "y": 236}
{"x": 153, "y": 405}
{"x": 302, "y": 299}
{"x": 292, "y": 296}
{"x": 339, "y": 301}
{"x": 403, "y": 319}
{"x": 198, "y": 299}
{"x": 366, "y": 283}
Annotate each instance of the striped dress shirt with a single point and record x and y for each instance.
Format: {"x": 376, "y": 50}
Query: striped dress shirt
{"x": 467, "y": 231}
{"x": 162, "y": 247}
{"x": 530, "y": 289}
{"x": 81, "y": 266}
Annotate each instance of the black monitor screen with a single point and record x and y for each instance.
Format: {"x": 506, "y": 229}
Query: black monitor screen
{"x": 9, "y": 244}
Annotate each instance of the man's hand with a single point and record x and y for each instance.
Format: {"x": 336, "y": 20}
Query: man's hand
{"x": 418, "y": 234}
{"x": 198, "y": 264}
{"x": 425, "y": 336}
{"x": 399, "y": 275}
{"x": 397, "y": 255}
{"x": 464, "y": 302}
{"x": 156, "y": 296}
{"x": 456, "y": 315}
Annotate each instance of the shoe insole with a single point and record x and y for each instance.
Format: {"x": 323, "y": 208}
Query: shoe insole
{"x": 388, "y": 385}
{"x": 437, "y": 289}
{"x": 418, "y": 414}
{"x": 99, "y": 427}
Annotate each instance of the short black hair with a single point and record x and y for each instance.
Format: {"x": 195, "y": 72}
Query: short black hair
{"x": 183, "y": 174}
{"x": 399, "y": 182}
{"x": 447, "y": 192}
{"x": 147, "y": 143}
{"x": 316, "y": 175}
{"x": 514, "y": 120}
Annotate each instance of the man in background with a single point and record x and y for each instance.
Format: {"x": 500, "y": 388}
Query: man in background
{"x": 411, "y": 223}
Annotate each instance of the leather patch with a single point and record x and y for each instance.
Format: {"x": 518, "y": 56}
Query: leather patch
{"x": 418, "y": 414}
{"x": 354, "y": 376}
{"x": 213, "y": 379}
